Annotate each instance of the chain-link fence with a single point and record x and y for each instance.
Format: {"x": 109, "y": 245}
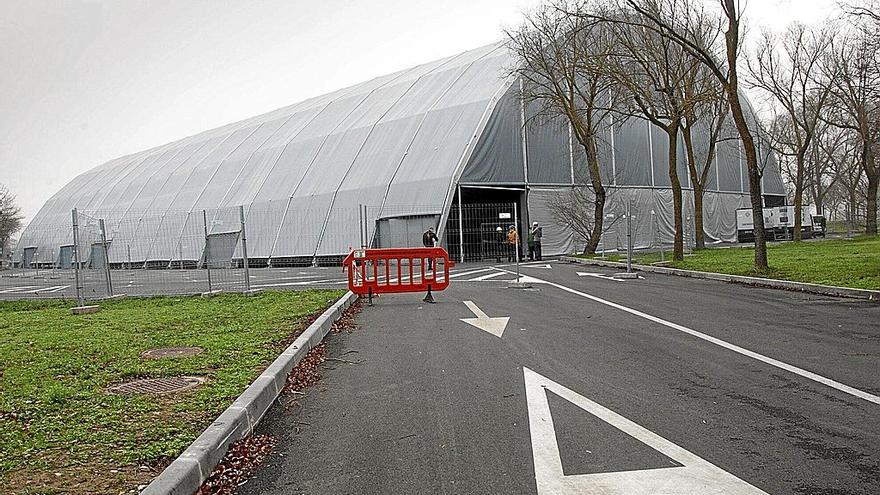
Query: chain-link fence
{"x": 99, "y": 254}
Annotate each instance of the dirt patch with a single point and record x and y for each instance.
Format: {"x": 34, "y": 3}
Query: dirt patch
{"x": 83, "y": 479}
{"x": 239, "y": 463}
{"x": 171, "y": 352}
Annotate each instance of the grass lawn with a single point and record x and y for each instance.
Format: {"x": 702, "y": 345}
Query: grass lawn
{"x": 61, "y": 432}
{"x": 845, "y": 263}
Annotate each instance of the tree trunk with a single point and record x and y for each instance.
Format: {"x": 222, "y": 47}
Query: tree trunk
{"x": 871, "y": 213}
{"x": 798, "y": 195}
{"x": 697, "y": 181}
{"x": 872, "y": 171}
{"x": 698, "y": 216}
{"x": 742, "y": 126}
{"x": 678, "y": 243}
{"x": 589, "y": 144}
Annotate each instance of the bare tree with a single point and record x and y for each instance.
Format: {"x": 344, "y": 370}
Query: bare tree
{"x": 10, "y": 217}
{"x": 666, "y": 86}
{"x": 829, "y": 149}
{"x": 561, "y": 64}
{"x": 856, "y": 92}
{"x": 685, "y": 22}
{"x": 707, "y": 114}
{"x": 572, "y": 208}
{"x": 788, "y": 70}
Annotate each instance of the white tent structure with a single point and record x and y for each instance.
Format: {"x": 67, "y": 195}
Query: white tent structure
{"x": 409, "y": 145}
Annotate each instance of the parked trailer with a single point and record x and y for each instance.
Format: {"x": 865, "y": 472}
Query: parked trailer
{"x": 786, "y": 227}
{"x": 778, "y": 223}
{"x": 745, "y": 224}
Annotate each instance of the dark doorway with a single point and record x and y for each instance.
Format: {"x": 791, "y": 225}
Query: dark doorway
{"x": 486, "y": 216}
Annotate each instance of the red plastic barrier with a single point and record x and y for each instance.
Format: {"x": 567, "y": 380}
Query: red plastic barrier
{"x": 378, "y": 271}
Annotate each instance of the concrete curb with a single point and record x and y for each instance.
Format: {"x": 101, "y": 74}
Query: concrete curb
{"x": 825, "y": 290}
{"x": 186, "y": 474}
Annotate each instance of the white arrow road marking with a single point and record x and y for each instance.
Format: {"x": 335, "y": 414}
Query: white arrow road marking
{"x": 727, "y": 345}
{"x": 544, "y": 266}
{"x": 495, "y": 325}
{"x": 694, "y": 476}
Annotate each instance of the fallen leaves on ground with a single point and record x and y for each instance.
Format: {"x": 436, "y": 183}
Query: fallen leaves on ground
{"x": 240, "y": 462}
{"x": 346, "y": 321}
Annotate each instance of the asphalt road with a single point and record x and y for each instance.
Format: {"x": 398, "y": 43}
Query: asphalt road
{"x": 658, "y": 385}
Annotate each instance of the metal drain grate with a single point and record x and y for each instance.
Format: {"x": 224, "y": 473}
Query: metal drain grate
{"x": 171, "y": 352}
{"x": 157, "y": 385}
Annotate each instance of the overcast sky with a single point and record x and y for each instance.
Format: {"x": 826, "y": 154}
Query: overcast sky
{"x": 86, "y": 81}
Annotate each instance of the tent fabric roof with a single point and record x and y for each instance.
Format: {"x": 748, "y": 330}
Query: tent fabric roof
{"x": 366, "y": 144}
{"x": 398, "y": 143}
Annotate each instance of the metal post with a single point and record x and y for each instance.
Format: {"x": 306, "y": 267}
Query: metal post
{"x": 629, "y": 244}
{"x": 244, "y": 253}
{"x": 207, "y": 262}
{"x": 460, "y": 228}
{"x": 128, "y": 250}
{"x": 687, "y": 232}
{"x": 361, "y": 225}
{"x": 516, "y": 247}
{"x": 77, "y": 275}
{"x": 106, "y": 258}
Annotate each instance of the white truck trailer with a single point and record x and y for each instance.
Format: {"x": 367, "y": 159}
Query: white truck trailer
{"x": 778, "y": 223}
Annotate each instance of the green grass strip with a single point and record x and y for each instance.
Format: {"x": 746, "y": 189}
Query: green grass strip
{"x": 58, "y": 425}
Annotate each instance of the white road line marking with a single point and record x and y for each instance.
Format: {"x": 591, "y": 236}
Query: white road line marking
{"x": 599, "y": 275}
{"x": 23, "y": 288}
{"x": 484, "y": 322}
{"x": 544, "y": 266}
{"x": 289, "y": 284}
{"x": 53, "y": 289}
{"x": 486, "y": 277}
{"x": 694, "y": 476}
{"x": 465, "y": 274}
{"x": 727, "y": 345}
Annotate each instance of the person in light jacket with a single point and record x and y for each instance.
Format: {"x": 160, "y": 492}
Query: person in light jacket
{"x": 536, "y": 233}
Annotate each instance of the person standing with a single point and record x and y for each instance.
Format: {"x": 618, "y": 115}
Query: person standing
{"x": 500, "y": 241}
{"x": 512, "y": 243}
{"x": 429, "y": 240}
{"x": 536, "y": 233}
{"x": 530, "y": 241}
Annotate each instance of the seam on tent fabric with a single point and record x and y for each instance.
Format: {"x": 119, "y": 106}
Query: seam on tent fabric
{"x": 161, "y": 188}
{"x": 283, "y": 149}
{"x": 143, "y": 185}
{"x": 192, "y": 170}
{"x": 361, "y": 148}
{"x": 68, "y": 201}
{"x": 195, "y": 201}
{"x": 318, "y": 152}
{"x": 468, "y": 151}
{"x": 416, "y": 134}
{"x": 246, "y": 162}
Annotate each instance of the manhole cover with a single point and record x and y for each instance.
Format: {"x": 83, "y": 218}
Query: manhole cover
{"x": 171, "y": 352}
{"x": 157, "y": 385}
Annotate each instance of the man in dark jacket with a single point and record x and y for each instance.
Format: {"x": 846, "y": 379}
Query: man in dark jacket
{"x": 429, "y": 239}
